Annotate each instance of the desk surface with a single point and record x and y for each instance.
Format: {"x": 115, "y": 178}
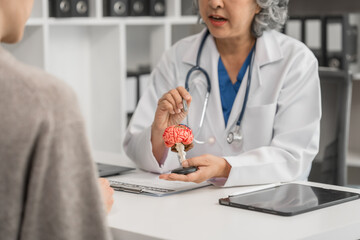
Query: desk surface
{"x": 196, "y": 214}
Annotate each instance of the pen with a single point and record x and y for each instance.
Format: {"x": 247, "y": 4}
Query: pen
{"x": 185, "y": 105}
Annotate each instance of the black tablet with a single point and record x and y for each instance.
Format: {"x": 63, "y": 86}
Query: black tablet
{"x": 289, "y": 199}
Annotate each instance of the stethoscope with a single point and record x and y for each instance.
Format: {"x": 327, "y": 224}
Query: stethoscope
{"x": 236, "y": 134}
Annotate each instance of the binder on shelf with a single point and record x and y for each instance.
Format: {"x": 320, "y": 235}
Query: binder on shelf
{"x": 341, "y": 44}
{"x": 60, "y": 8}
{"x": 312, "y": 31}
{"x": 157, "y": 8}
{"x": 352, "y": 42}
{"x": 79, "y": 8}
{"x": 324, "y": 35}
{"x": 139, "y": 7}
{"x": 334, "y": 42}
{"x": 313, "y": 37}
{"x": 116, "y": 8}
{"x": 293, "y": 28}
{"x": 131, "y": 98}
{"x": 141, "y": 76}
{"x": 308, "y": 30}
{"x": 144, "y": 80}
{"x": 136, "y": 83}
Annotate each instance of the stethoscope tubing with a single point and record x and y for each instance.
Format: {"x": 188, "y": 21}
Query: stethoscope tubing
{"x": 197, "y": 66}
{"x": 247, "y": 88}
{"x": 200, "y": 69}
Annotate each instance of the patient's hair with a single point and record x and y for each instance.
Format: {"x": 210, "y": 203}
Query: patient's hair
{"x": 273, "y": 15}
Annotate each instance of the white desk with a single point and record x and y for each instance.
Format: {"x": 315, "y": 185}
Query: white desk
{"x": 197, "y": 215}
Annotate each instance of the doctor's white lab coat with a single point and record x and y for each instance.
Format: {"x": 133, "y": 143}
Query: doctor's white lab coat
{"x": 281, "y": 125}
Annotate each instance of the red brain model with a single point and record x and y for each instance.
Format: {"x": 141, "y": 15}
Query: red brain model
{"x": 178, "y": 134}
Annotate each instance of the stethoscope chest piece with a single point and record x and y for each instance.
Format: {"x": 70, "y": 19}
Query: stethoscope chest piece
{"x": 235, "y": 136}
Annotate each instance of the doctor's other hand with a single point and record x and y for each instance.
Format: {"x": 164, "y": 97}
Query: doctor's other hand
{"x": 209, "y": 166}
{"x": 107, "y": 193}
{"x": 170, "y": 109}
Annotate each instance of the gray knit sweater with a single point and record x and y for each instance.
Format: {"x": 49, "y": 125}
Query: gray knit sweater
{"x": 48, "y": 185}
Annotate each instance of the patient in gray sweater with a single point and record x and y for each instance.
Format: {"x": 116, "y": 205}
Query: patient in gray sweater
{"x": 48, "y": 184}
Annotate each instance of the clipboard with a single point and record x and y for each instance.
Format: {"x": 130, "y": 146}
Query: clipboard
{"x": 141, "y": 182}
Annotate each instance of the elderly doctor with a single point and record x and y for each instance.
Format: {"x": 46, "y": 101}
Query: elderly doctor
{"x": 261, "y": 122}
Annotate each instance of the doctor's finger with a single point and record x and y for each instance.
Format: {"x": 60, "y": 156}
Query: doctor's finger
{"x": 174, "y": 177}
{"x": 197, "y": 177}
{"x": 166, "y": 105}
{"x": 177, "y": 97}
{"x": 184, "y": 94}
{"x": 173, "y": 97}
{"x": 202, "y": 160}
{"x": 167, "y": 99}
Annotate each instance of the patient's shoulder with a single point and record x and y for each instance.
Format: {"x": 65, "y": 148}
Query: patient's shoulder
{"x": 31, "y": 90}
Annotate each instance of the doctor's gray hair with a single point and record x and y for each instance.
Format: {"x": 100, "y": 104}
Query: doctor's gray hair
{"x": 273, "y": 15}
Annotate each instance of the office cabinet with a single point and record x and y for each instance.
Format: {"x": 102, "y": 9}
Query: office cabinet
{"x": 93, "y": 55}
{"x": 333, "y": 38}
{"x": 354, "y": 133}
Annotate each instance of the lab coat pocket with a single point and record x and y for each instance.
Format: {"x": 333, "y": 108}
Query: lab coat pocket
{"x": 258, "y": 125}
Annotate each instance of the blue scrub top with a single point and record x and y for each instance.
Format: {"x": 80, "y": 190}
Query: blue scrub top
{"x": 228, "y": 91}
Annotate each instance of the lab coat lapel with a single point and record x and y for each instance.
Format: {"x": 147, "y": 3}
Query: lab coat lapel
{"x": 267, "y": 51}
{"x": 215, "y": 116}
{"x": 238, "y": 103}
{"x": 190, "y": 53}
{"x": 209, "y": 61}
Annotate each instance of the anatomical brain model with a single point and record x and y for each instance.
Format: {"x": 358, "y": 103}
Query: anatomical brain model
{"x": 179, "y": 138}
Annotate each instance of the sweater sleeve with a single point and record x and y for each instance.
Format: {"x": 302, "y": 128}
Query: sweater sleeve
{"x": 62, "y": 194}
{"x": 49, "y": 187}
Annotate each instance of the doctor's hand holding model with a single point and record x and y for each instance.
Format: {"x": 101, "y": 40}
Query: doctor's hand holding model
{"x": 253, "y": 98}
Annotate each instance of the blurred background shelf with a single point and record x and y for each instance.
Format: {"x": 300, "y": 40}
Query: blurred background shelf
{"x": 316, "y": 7}
{"x": 94, "y": 55}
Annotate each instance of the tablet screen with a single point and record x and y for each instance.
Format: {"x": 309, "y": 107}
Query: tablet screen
{"x": 289, "y": 199}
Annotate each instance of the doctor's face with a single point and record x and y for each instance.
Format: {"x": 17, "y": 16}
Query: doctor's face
{"x": 228, "y": 18}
